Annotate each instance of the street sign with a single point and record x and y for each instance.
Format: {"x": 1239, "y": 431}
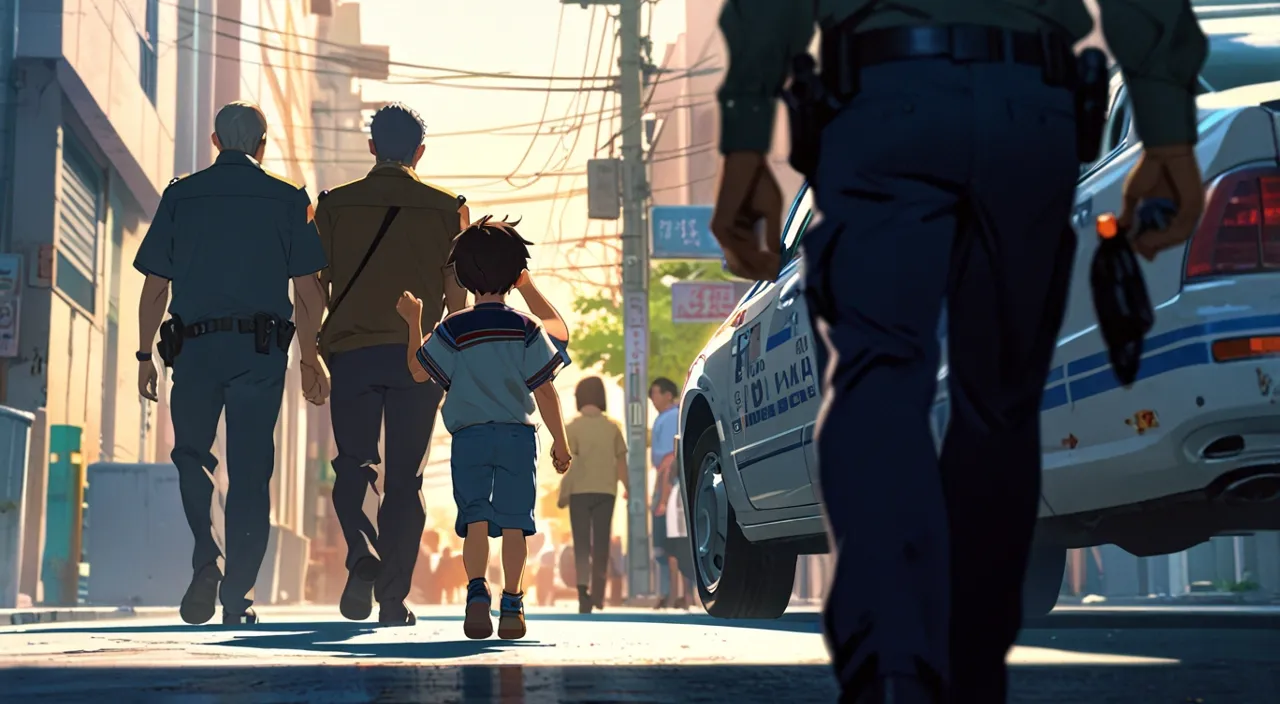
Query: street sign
{"x": 683, "y": 232}
{"x": 703, "y": 301}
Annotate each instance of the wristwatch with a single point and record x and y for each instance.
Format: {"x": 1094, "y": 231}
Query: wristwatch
{"x": 143, "y": 356}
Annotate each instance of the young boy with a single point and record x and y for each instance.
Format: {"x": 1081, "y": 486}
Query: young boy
{"x": 495, "y": 365}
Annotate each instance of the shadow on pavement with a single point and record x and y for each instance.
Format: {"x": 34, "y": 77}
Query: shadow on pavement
{"x": 1219, "y": 683}
{"x": 793, "y": 623}
{"x": 439, "y": 685}
{"x": 330, "y": 642}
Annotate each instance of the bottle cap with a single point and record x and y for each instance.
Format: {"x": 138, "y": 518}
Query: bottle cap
{"x": 1107, "y": 227}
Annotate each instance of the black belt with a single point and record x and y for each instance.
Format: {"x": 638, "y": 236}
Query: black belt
{"x": 966, "y": 44}
{"x": 227, "y": 324}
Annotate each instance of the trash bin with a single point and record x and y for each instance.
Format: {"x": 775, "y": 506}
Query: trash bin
{"x": 15, "y": 436}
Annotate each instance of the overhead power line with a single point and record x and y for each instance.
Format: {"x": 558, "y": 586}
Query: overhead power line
{"x": 451, "y": 72}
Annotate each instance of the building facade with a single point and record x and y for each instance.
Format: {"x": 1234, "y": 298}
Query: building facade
{"x": 109, "y": 100}
{"x": 90, "y": 122}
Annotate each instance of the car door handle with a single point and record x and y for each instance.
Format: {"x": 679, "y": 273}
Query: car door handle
{"x": 1080, "y": 216}
{"x": 790, "y": 291}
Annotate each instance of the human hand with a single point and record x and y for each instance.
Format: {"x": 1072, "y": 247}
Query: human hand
{"x": 749, "y": 195}
{"x": 1164, "y": 172}
{"x": 560, "y": 457}
{"x": 524, "y": 280}
{"x": 660, "y": 509}
{"x": 148, "y": 380}
{"x": 409, "y": 307}
{"x": 315, "y": 381}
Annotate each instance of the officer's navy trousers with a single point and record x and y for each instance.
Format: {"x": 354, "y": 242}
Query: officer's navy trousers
{"x": 372, "y": 391}
{"x": 217, "y": 372}
{"x": 940, "y": 184}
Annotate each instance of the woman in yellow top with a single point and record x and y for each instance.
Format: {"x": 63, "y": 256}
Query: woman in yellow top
{"x": 590, "y": 489}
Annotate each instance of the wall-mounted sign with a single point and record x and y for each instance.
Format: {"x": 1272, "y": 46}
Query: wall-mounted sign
{"x": 9, "y": 308}
{"x": 42, "y": 268}
{"x": 10, "y": 274}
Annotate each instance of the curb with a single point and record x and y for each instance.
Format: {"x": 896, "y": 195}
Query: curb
{"x": 26, "y": 617}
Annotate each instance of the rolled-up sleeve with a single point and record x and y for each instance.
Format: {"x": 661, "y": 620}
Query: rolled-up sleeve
{"x": 762, "y": 37}
{"x": 438, "y": 358}
{"x": 155, "y": 254}
{"x": 544, "y": 357}
{"x": 306, "y": 253}
{"x": 1160, "y": 49}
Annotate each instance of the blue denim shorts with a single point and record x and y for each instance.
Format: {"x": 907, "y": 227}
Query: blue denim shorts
{"x": 494, "y": 467}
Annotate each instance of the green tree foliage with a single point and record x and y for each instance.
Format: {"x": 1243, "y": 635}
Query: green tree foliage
{"x": 672, "y": 346}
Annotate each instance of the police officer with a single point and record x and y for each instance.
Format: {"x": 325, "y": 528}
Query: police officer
{"x": 945, "y": 171}
{"x": 227, "y": 240}
{"x": 384, "y": 234}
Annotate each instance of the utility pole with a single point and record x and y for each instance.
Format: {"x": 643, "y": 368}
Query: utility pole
{"x": 635, "y": 287}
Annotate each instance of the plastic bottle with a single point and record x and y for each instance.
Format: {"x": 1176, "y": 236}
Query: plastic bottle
{"x": 1120, "y": 299}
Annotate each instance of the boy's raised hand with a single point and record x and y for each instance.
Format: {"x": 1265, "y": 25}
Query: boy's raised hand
{"x": 409, "y": 307}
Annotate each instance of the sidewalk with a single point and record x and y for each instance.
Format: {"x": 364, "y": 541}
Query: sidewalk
{"x": 51, "y": 614}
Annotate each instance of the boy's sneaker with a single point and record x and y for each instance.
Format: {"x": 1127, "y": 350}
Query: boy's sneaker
{"x": 511, "y": 617}
{"x": 478, "y": 624}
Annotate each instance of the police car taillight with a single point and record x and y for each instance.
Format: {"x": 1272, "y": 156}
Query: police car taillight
{"x": 1240, "y": 231}
{"x": 1245, "y": 348}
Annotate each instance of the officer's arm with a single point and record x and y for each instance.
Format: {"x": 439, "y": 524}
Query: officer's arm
{"x": 324, "y": 225}
{"x": 155, "y": 261}
{"x": 308, "y": 309}
{"x": 151, "y": 306}
{"x": 455, "y": 296}
{"x": 762, "y": 36}
{"x": 1160, "y": 49}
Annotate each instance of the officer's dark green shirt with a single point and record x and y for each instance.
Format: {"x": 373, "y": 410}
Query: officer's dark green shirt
{"x": 1158, "y": 44}
{"x": 230, "y": 238}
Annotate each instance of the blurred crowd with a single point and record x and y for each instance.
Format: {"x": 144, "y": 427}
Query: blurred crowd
{"x": 550, "y": 573}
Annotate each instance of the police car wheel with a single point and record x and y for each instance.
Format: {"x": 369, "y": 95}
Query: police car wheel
{"x": 736, "y": 578}
{"x": 1046, "y": 569}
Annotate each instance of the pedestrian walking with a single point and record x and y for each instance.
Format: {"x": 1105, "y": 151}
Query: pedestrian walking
{"x": 663, "y": 393}
{"x": 384, "y": 234}
{"x": 225, "y": 242}
{"x": 600, "y": 465}
{"x": 943, "y": 143}
{"x": 496, "y": 366}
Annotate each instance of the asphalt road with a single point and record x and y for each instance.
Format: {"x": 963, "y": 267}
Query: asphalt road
{"x": 1076, "y": 656}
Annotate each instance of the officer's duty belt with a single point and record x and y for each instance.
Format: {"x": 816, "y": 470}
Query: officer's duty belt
{"x": 204, "y": 327}
{"x": 964, "y": 44}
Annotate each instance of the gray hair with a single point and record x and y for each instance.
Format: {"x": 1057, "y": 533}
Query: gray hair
{"x": 241, "y": 127}
{"x": 397, "y": 132}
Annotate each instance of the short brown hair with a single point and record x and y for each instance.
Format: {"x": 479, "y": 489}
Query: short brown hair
{"x": 489, "y": 256}
{"x": 590, "y": 392}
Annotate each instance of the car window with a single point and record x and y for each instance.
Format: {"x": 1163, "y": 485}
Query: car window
{"x": 797, "y": 224}
{"x": 1241, "y": 59}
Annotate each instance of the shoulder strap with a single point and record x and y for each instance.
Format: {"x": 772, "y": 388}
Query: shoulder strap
{"x": 392, "y": 212}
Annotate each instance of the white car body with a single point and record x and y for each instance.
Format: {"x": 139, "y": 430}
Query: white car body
{"x": 1191, "y": 450}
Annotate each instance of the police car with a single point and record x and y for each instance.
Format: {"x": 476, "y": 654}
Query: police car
{"x": 1190, "y": 451}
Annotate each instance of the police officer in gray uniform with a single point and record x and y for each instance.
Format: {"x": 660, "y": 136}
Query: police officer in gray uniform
{"x": 227, "y": 240}
{"x": 943, "y": 141}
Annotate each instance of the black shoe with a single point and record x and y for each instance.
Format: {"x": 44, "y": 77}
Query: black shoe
{"x": 247, "y": 618}
{"x": 357, "y": 597}
{"x": 584, "y": 601}
{"x": 200, "y": 601}
{"x": 662, "y": 603}
{"x": 396, "y": 616}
